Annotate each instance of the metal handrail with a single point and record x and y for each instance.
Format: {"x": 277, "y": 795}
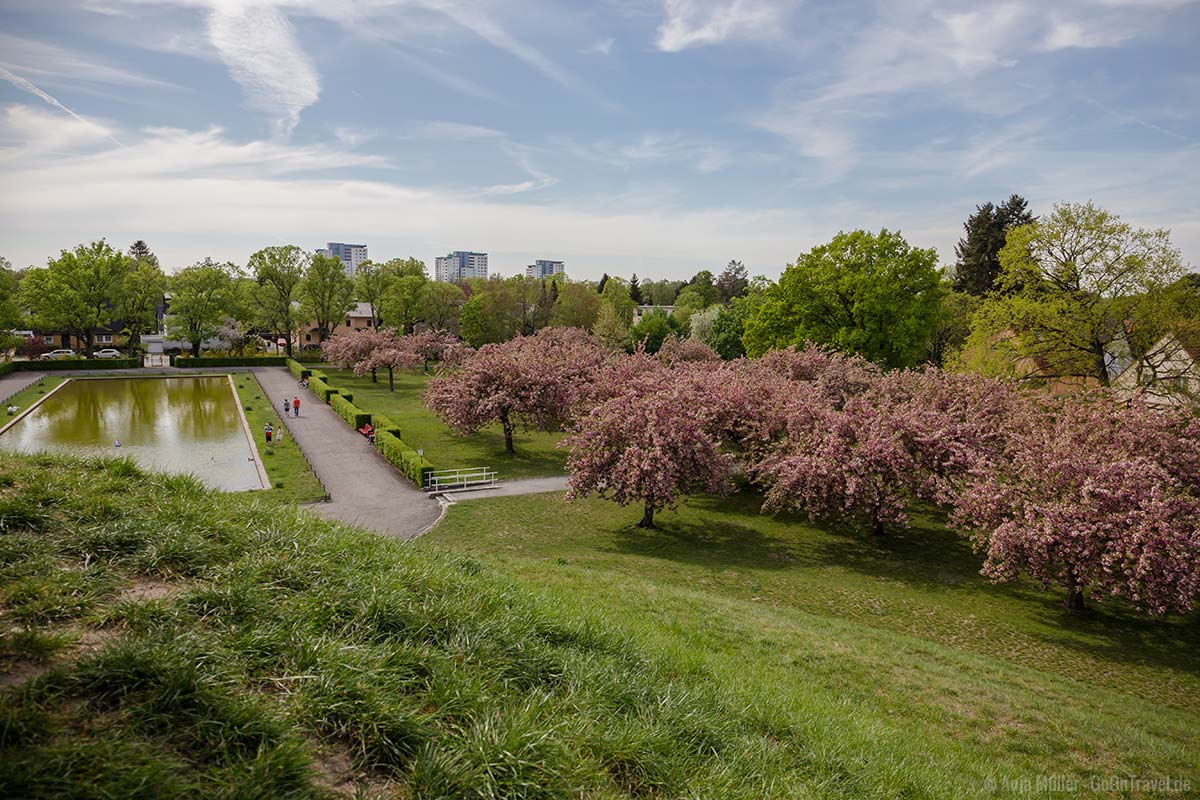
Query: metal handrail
{"x": 472, "y": 477}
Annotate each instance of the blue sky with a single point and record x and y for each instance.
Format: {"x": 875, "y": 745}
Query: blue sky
{"x": 655, "y": 137}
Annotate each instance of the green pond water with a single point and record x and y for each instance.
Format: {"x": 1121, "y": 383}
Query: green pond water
{"x": 165, "y": 424}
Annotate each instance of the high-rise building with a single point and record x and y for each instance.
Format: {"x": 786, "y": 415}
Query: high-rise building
{"x": 544, "y": 269}
{"x": 352, "y": 255}
{"x": 460, "y": 265}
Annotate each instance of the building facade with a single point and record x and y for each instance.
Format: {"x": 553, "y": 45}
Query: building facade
{"x": 544, "y": 269}
{"x": 460, "y": 265}
{"x": 352, "y": 255}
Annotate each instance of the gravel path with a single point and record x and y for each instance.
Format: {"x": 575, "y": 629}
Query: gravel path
{"x": 14, "y": 382}
{"x": 509, "y": 488}
{"x": 364, "y": 488}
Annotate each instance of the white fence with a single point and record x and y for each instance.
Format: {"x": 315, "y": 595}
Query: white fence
{"x": 474, "y": 478}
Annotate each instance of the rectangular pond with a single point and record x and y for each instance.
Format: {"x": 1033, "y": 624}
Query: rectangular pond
{"x": 188, "y": 424}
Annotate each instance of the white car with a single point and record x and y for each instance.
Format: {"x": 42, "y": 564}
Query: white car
{"x": 60, "y": 353}
{"x": 108, "y": 352}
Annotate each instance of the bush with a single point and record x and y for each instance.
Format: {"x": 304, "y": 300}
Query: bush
{"x": 236, "y": 361}
{"x": 383, "y": 423}
{"x": 301, "y": 372}
{"x": 348, "y": 395}
{"x": 348, "y": 411}
{"x": 7, "y": 367}
{"x": 321, "y": 389}
{"x": 403, "y": 457}
{"x": 75, "y": 363}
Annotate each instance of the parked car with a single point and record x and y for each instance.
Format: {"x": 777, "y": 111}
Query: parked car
{"x": 108, "y": 352}
{"x": 60, "y": 353}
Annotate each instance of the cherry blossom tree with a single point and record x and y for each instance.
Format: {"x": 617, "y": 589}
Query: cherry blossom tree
{"x": 648, "y": 445}
{"x": 392, "y": 356}
{"x": 1095, "y": 498}
{"x": 532, "y": 381}
{"x": 835, "y": 374}
{"x": 676, "y": 351}
{"x": 347, "y": 350}
{"x": 430, "y": 345}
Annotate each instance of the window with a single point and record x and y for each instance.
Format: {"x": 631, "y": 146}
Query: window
{"x": 308, "y": 337}
{"x": 104, "y": 338}
{"x": 48, "y": 339}
{"x": 347, "y": 323}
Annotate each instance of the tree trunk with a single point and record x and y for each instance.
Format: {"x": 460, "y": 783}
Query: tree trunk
{"x": 1074, "y": 602}
{"x": 91, "y": 338}
{"x": 195, "y": 349}
{"x": 508, "y": 432}
{"x": 373, "y": 378}
{"x": 877, "y": 526}
{"x": 647, "y": 520}
{"x": 1099, "y": 367}
{"x": 391, "y": 380}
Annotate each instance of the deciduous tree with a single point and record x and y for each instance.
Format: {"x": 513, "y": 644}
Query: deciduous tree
{"x": 79, "y": 291}
{"x": 279, "y": 271}
{"x": 201, "y": 296}
{"x": 326, "y": 293}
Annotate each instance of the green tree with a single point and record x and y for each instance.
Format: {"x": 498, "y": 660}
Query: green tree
{"x": 78, "y": 292}
{"x": 402, "y": 306}
{"x": 978, "y": 251}
{"x": 439, "y": 303}
{"x": 616, "y": 294}
{"x": 402, "y": 267}
{"x": 1072, "y": 290}
{"x": 327, "y": 293}
{"x": 732, "y": 282}
{"x": 139, "y": 299}
{"x": 371, "y": 284}
{"x": 577, "y": 306}
{"x": 635, "y": 289}
{"x": 952, "y": 328}
{"x": 866, "y": 293}
{"x": 705, "y": 285}
{"x": 653, "y": 329}
{"x": 610, "y": 329}
{"x": 10, "y": 311}
{"x": 201, "y": 297}
{"x": 279, "y": 271}
{"x": 491, "y": 314}
{"x": 140, "y": 252}
{"x": 727, "y": 329}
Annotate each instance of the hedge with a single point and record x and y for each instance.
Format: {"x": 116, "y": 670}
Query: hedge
{"x": 403, "y": 457}
{"x": 301, "y": 372}
{"x": 50, "y": 365}
{"x": 322, "y": 389}
{"x": 245, "y": 361}
{"x": 349, "y": 412}
{"x": 382, "y": 423}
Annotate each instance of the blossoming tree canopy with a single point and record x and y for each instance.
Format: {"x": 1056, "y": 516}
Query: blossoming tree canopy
{"x": 534, "y": 381}
{"x": 646, "y": 445}
{"x": 1095, "y": 497}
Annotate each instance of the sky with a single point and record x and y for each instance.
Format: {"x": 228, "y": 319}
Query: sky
{"x": 656, "y": 137}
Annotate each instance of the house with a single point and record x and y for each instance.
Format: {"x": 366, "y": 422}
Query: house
{"x": 641, "y": 311}
{"x": 358, "y": 319}
{"x": 107, "y": 336}
{"x": 1168, "y": 374}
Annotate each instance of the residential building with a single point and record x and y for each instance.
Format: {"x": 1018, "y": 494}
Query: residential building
{"x": 639, "y": 312}
{"x": 460, "y": 265}
{"x": 1168, "y": 374}
{"x": 352, "y": 255}
{"x": 544, "y": 269}
{"x": 357, "y": 319}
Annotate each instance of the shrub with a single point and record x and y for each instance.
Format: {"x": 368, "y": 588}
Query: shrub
{"x": 403, "y": 457}
{"x": 74, "y": 363}
{"x": 242, "y": 361}
{"x": 321, "y": 389}
{"x": 300, "y": 371}
{"x": 348, "y": 411}
{"x": 383, "y": 423}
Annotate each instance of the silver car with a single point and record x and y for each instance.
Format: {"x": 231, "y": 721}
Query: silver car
{"x": 108, "y": 352}
{"x": 60, "y": 353}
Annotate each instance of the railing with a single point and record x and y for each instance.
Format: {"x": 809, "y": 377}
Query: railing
{"x": 474, "y": 478}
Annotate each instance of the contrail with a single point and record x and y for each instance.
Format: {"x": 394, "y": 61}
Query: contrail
{"x": 20, "y": 82}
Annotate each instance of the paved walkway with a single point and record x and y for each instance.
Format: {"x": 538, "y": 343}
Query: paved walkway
{"x": 508, "y": 488}
{"x": 14, "y": 382}
{"x": 365, "y": 489}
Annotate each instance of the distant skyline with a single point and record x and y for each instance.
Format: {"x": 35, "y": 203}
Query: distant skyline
{"x": 657, "y": 137}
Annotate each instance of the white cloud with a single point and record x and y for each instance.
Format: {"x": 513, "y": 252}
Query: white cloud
{"x": 457, "y": 131}
{"x": 55, "y": 65}
{"x": 34, "y": 128}
{"x": 688, "y": 23}
{"x": 22, "y": 83}
{"x": 601, "y": 47}
{"x": 353, "y": 137}
{"x": 258, "y": 46}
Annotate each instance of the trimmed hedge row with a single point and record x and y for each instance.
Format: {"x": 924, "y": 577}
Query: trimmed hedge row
{"x": 383, "y": 423}
{"x": 348, "y": 411}
{"x": 227, "y": 361}
{"x": 321, "y": 389}
{"x": 299, "y": 370}
{"x": 403, "y": 457}
{"x": 54, "y": 364}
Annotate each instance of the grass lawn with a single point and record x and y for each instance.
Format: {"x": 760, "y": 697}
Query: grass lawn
{"x": 896, "y": 651}
{"x": 536, "y": 454}
{"x": 292, "y": 479}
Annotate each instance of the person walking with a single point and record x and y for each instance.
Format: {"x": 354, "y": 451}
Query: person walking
{"x": 296, "y": 405}
{"x": 267, "y": 431}
{"x": 287, "y": 404}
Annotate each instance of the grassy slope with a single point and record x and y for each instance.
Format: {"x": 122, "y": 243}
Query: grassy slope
{"x": 292, "y": 479}
{"x": 536, "y": 452}
{"x": 160, "y": 640}
{"x": 901, "y": 643}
